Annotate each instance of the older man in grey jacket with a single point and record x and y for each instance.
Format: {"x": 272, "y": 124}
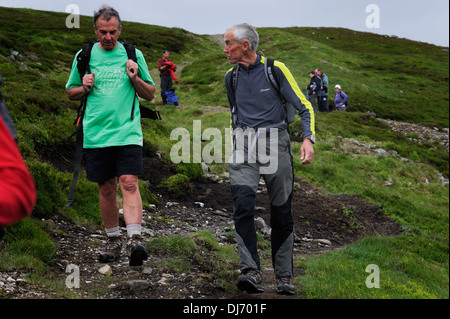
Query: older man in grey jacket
{"x": 259, "y": 118}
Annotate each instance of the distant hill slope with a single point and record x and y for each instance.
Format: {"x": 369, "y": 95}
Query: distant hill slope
{"x": 395, "y": 78}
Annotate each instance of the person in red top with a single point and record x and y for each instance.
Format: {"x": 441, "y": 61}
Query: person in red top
{"x": 17, "y": 189}
{"x": 166, "y": 75}
{"x": 172, "y": 68}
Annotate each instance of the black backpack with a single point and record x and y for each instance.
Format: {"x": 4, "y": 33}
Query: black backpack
{"x": 83, "y": 59}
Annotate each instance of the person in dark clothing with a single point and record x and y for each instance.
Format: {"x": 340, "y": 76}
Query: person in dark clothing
{"x": 313, "y": 89}
{"x": 256, "y": 107}
{"x": 323, "y": 104}
{"x": 165, "y": 75}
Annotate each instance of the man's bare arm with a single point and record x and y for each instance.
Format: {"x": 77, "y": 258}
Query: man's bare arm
{"x": 143, "y": 89}
{"x": 79, "y": 92}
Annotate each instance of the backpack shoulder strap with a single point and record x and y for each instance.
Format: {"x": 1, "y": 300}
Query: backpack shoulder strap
{"x": 83, "y": 59}
{"x": 232, "y": 82}
{"x": 272, "y": 78}
{"x": 234, "y": 77}
{"x": 131, "y": 51}
{"x": 145, "y": 112}
{"x": 340, "y": 93}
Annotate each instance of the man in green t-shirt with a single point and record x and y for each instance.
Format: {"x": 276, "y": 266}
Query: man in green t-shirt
{"x": 113, "y": 138}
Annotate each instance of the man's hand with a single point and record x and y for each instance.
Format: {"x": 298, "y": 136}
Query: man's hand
{"x": 88, "y": 81}
{"x": 132, "y": 69}
{"x": 143, "y": 89}
{"x": 307, "y": 152}
{"x": 79, "y": 92}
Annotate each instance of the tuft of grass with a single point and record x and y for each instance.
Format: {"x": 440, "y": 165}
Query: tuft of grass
{"x": 401, "y": 273}
{"x": 49, "y": 195}
{"x": 26, "y": 246}
{"x": 201, "y": 251}
{"x": 177, "y": 184}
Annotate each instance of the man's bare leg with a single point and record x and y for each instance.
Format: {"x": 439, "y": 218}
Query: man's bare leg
{"x": 132, "y": 212}
{"x": 109, "y": 209}
{"x": 132, "y": 201}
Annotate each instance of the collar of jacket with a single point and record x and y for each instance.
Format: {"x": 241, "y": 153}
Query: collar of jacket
{"x": 259, "y": 59}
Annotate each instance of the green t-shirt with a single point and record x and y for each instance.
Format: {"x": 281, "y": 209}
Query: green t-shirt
{"x": 107, "y": 119}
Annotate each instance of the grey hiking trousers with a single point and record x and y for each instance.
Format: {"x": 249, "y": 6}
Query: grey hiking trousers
{"x": 244, "y": 177}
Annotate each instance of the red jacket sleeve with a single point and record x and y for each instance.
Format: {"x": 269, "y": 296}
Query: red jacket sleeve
{"x": 17, "y": 189}
{"x": 171, "y": 65}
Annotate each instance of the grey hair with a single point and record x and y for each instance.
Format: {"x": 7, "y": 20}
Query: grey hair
{"x": 106, "y": 12}
{"x": 244, "y": 31}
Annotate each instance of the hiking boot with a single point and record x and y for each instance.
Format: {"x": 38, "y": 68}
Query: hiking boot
{"x": 251, "y": 281}
{"x": 111, "y": 251}
{"x": 284, "y": 286}
{"x": 136, "y": 251}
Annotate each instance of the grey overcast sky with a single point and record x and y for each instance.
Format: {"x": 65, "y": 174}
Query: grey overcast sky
{"x": 425, "y": 21}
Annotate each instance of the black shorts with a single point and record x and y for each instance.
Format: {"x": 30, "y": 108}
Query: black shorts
{"x": 103, "y": 164}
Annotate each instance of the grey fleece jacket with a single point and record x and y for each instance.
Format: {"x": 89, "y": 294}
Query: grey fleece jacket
{"x": 258, "y": 104}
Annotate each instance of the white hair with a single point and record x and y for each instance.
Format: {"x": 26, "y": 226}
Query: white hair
{"x": 244, "y": 31}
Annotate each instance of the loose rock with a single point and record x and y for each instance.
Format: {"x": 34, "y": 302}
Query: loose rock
{"x": 105, "y": 270}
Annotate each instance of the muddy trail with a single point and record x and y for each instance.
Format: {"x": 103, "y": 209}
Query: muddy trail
{"x": 322, "y": 223}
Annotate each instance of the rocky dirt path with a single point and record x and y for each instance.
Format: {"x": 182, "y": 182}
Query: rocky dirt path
{"x": 320, "y": 225}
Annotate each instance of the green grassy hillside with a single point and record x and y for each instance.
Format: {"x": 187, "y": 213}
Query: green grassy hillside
{"x": 395, "y": 78}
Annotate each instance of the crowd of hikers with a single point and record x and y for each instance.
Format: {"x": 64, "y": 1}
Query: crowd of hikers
{"x": 317, "y": 93}
{"x": 112, "y": 138}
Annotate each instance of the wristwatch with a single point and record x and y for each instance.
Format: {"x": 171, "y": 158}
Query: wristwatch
{"x": 312, "y": 138}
